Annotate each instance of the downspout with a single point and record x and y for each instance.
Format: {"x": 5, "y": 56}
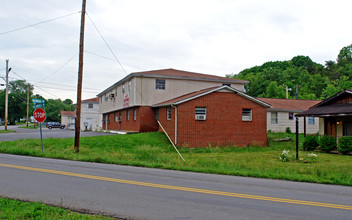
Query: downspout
{"x": 175, "y": 107}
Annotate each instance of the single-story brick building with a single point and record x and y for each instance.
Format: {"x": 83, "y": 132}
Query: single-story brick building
{"x": 214, "y": 116}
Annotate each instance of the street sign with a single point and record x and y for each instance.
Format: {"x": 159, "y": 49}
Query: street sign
{"x": 39, "y": 115}
{"x": 38, "y": 101}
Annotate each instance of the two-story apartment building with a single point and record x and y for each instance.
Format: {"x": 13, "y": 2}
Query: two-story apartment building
{"x": 126, "y": 105}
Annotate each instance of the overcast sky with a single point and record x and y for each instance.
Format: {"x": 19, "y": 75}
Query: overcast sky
{"x": 216, "y": 37}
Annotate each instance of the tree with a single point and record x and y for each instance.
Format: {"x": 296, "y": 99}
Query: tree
{"x": 54, "y": 107}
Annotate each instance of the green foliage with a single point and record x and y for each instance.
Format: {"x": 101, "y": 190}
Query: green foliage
{"x": 327, "y": 143}
{"x": 345, "y": 144}
{"x": 14, "y": 209}
{"x": 53, "y": 107}
{"x": 288, "y": 130}
{"x": 314, "y": 80}
{"x": 310, "y": 143}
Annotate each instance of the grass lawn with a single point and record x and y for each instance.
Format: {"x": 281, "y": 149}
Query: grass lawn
{"x": 6, "y": 131}
{"x": 30, "y": 126}
{"x": 14, "y": 209}
{"x": 154, "y": 150}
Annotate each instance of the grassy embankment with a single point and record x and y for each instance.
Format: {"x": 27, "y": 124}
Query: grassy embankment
{"x": 6, "y": 131}
{"x": 154, "y": 150}
{"x": 14, "y": 209}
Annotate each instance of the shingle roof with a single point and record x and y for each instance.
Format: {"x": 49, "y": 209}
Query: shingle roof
{"x": 181, "y": 73}
{"x": 68, "y": 113}
{"x": 290, "y": 104}
{"x": 193, "y": 95}
{"x": 96, "y": 99}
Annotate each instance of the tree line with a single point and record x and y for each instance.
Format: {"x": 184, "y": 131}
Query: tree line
{"x": 17, "y": 103}
{"x": 314, "y": 80}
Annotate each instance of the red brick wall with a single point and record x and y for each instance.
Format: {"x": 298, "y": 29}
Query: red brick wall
{"x": 223, "y": 126}
{"x": 145, "y": 120}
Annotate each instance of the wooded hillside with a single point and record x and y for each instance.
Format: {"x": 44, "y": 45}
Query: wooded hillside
{"x": 314, "y": 81}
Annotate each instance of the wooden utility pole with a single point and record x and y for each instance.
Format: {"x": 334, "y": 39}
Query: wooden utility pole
{"x": 7, "y": 93}
{"x": 80, "y": 76}
{"x": 27, "y": 104}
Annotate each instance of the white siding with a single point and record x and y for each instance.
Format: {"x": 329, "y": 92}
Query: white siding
{"x": 143, "y": 92}
{"x": 91, "y": 116}
{"x": 284, "y": 122}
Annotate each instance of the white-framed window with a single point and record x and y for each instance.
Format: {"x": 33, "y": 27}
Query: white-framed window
{"x": 290, "y": 116}
{"x": 105, "y": 98}
{"x": 168, "y": 113}
{"x": 123, "y": 88}
{"x": 90, "y": 105}
{"x": 311, "y": 120}
{"x": 157, "y": 114}
{"x": 127, "y": 115}
{"x": 160, "y": 83}
{"x": 200, "y": 113}
{"x": 274, "y": 118}
{"x": 129, "y": 85}
{"x": 134, "y": 114}
{"x": 246, "y": 114}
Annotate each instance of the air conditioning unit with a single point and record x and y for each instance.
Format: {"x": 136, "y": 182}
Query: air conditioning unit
{"x": 201, "y": 117}
{"x": 112, "y": 96}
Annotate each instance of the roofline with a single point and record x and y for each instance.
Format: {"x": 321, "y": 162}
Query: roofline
{"x": 324, "y": 115}
{"x": 284, "y": 110}
{"x": 214, "y": 90}
{"x": 332, "y": 97}
{"x": 140, "y": 74}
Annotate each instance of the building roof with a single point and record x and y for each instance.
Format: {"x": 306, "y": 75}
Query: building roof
{"x": 197, "y": 94}
{"x": 176, "y": 74}
{"x": 68, "y": 113}
{"x": 96, "y": 99}
{"x": 332, "y": 106}
{"x": 295, "y": 105}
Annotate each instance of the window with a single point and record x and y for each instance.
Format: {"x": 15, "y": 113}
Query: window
{"x": 129, "y": 85}
{"x": 123, "y": 88}
{"x": 246, "y": 114}
{"x": 116, "y": 117}
{"x": 311, "y": 120}
{"x": 290, "y": 116}
{"x": 168, "y": 113}
{"x": 108, "y": 118}
{"x": 90, "y": 105}
{"x": 134, "y": 114}
{"x": 201, "y": 113}
{"x": 105, "y": 98}
{"x": 157, "y": 114}
{"x": 226, "y": 84}
{"x": 274, "y": 119}
{"x": 160, "y": 84}
{"x": 127, "y": 115}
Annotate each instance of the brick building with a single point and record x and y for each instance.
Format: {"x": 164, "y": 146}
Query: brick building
{"x": 136, "y": 102}
{"x": 214, "y": 116}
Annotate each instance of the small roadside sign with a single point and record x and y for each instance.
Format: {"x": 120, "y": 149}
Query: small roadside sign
{"x": 38, "y": 103}
{"x": 40, "y": 115}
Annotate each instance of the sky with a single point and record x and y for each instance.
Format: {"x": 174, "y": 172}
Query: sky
{"x": 218, "y": 37}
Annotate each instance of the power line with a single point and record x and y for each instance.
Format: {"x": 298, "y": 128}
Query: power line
{"x": 31, "y": 25}
{"x": 58, "y": 69}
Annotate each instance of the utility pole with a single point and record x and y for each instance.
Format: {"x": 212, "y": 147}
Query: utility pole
{"x": 27, "y": 104}
{"x": 80, "y": 76}
{"x": 7, "y": 92}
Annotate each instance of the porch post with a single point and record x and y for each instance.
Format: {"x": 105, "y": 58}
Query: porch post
{"x": 305, "y": 126}
{"x": 297, "y": 130}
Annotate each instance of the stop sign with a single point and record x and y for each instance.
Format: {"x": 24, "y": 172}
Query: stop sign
{"x": 39, "y": 115}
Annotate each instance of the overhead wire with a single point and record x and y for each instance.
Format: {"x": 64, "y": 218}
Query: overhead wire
{"x": 42, "y": 22}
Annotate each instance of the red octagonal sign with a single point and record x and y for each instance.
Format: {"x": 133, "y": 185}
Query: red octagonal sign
{"x": 39, "y": 115}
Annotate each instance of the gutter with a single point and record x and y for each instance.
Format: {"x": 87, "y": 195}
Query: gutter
{"x": 175, "y": 107}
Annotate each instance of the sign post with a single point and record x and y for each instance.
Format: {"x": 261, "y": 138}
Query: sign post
{"x": 40, "y": 115}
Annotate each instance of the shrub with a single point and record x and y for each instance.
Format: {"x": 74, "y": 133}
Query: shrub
{"x": 288, "y": 130}
{"x": 310, "y": 143}
{"x": 285, "y": 157}
{"x": 327, "y": 143}
{"x": 345, "y": 144}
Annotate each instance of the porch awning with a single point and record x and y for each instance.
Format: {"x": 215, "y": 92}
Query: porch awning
{"x": 328, "y": 111}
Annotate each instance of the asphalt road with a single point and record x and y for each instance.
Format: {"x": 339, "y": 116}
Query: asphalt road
{"x": 24, "y": 133}
{"x": 144, "y": 193}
